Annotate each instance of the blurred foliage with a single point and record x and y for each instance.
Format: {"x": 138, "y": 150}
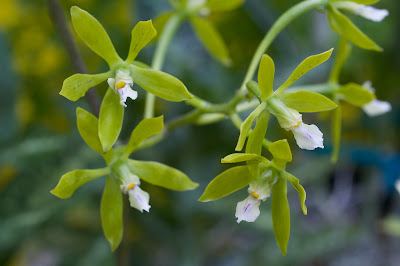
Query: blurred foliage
{"x": 39, "y": 142}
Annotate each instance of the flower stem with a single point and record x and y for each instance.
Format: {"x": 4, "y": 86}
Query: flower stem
{"x": 159, "y": 56}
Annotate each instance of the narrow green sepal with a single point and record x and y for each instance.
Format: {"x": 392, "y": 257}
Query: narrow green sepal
{"x": 76, "y": 86}
{"x": 355, "y": 94}
{"x": 300, "y": 190}
{"x": 243, "y": 157}
{"x": 252, "y": 86}
{"x": 266, "y": 73}
{"x": 142, "y": 34}
{"x": 307, "y": 101}
{"x": 281, "y": 151}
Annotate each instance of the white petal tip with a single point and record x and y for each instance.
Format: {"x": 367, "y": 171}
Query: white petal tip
{"x": 308, "y": 137}
{"x": 247, "y": 210}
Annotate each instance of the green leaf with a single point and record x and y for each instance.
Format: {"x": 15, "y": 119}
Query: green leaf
{"x": 252, "y": 86}
{"x": 227, "y": 182}
{"x": 162, "y": 175}
{"x": 70, "y": 181}
{"x": 242, "y": 157}
{"x": 246, "y": 125}
{"x": 94, "y": 35}
{"x": 281, "y": 151}
{"x": 110, "y": 119}
{"x": 356, "y": 94}
{"x": 266, "y": 74}
{"x": 160, "y": 22}
{"x": 307, "y": 101}
{"x": 223, "y": 5}
{"x": 142, "y": 34}
{"x": 160, "y": 84}
{"x": 211, "y": 39}
{"x": 146, "y": 128}
{"x": 111, "y": 212}
{"x": 305, "y": 66}
{"x": 256, "y": 138}
{"x": 343, "y": 26}
{"x": 75, "y": 86}
{"x": 280, "y": 214}
{"x": 302, "y": 193}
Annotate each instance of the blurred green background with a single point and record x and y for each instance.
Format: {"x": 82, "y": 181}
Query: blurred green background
{"x": 352, "y": 206}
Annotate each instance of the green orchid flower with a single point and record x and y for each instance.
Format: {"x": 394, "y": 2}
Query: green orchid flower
{"x": 124, "y": 175}
{"x": 268, "y": 178}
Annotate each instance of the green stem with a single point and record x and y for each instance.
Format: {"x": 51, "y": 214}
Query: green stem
{"x": 278, "y": 26}
{"x": 159, "y": 56}
{"x": 323, "y": 88}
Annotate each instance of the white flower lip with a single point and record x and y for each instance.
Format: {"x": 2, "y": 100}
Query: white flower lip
{"x": 248, "y": 209}
{"x": 122, "y": 86}
{"x": 371, "y": 13}
{"x": 308, "y": 137}
{"x": 376, "y": 107}
{"x": 139, "y": 199}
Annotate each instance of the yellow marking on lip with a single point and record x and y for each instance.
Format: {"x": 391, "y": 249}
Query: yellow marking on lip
{"x": 120, "y": 85}
{"x": 298, "y": 123}
{"x": 254, "y": 194}
{"x": 130, "y": 186}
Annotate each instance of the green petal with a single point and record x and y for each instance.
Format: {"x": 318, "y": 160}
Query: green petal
{"x": 307, "y": 101}
{"x": 94, "y": 35}
{"x": 256, "y": 138}
{"x": 242, "y": 157}
{"x": 305, "y": 66}
{"x": 111, "y": 212}
{"x": 246, "y": 126}
{"x": 146, "y": 128}
{"x": 223, "y": 5}
{"x": 280, "y": 214}
{"x": 252, "y": 86}
{"x": 302, "y": 193}
{"x": 227, "y": 182}
{"x": 160, "y": 84}
{"x": 162, "y": 175}
{"x": 356, "y": 94}
{"x": 77, "y": 85}
{"x": 110, "y": 119}
{"x": 343, "y": 26}
{"x": 266, "y": 74}
{"x": 281, "y": 151}
{"x": 142, "y": 34}
{"x": 211, "y": 39}
{"x": 70, "y": 181}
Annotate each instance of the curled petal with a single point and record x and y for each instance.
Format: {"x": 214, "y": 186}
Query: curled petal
{"x": 139, "y": 199}
{"x": 377, "y": 107}
{"x": 247, "y": 210}
{"x": 308, "y": 137}
{"x": 371, "y": 13}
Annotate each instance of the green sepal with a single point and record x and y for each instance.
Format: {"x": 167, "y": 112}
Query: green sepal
{"x": 110, "y": 119}
{"x": 146, "y": 128}
{"x": 76, "y": 86}
{"x": 161, "y": 175}
{"x": 256, "y": 139}
{"x": 343, "y": 26}
{"x": 356, "y": 94}
{"x": 223, "y": 5}
{"x": 246, "y": 126}
{"x": 252, "y": 86}
{"x": 243, "y": 157}
{"x": 70, "y": 181}
{"x": 343, "y": 53}
{"x": 266, "y": 74}
{"x": 302, "y": 193}
{"x": 142, "y": 34}
{"x": 160, "y": 22}
{"x": 160, "y": 84}
{"x": 336, "y": 132}
{"x": 94, "y": 35}
{"x": 227, "y": 182}
{"x": 211, "y": 39}
{"x": 280, "y": 214}
{"x": 362, "y": 2}
{"x": 305, "y": 66}
{"x": 111, "y": 211}
{"x": 281, "y": 151}
{"x": 307, "y": 101}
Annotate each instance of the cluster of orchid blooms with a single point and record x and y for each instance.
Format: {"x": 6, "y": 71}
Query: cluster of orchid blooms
{"x": 264, "y": 177}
